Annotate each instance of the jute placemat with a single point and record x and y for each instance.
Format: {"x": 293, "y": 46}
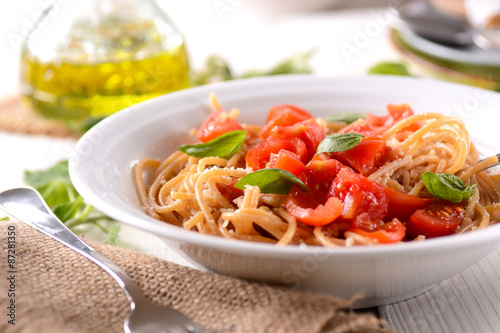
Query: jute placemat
{"x": 58, "y": 290}
{"x": 18, "y": 117}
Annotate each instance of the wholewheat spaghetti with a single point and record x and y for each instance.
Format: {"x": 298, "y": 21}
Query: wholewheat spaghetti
{"x": 191, "y": 192}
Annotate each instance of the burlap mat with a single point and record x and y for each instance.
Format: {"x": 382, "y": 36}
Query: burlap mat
{"x": 58, "y": 290}
{"x": 17, "y": 117}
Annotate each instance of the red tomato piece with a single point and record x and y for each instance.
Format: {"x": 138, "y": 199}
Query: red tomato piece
{"x": 218, "y": 123}
{"x": 258, "y": 156}
{"x": 376, "y": 125}
{"x": 282, "y": 116}
{"x": 279, "y": 110}
{"x": 364, "y": 157}
{"x": 308, "y": 131}
{"x": 402, "y": 205}
{"x": 380, "y": 124}
{"x": 399, "y": 111}
{"x": 319, "y": 175}
{"x": 286, "y": 160}
{"x": 228, "y": 191}
{"x": 359, "y": 195}
{"x": 306, "y": 209}
{"x": 390, "y": 232}
{"x": 376, "y": 121}
{"x": 440, "y": 218}
{"x": 360, "y": 126}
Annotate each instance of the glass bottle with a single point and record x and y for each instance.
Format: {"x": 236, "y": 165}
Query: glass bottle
{"x": 90, "y": 58}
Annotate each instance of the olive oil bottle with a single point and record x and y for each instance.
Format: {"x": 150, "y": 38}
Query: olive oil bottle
{"x": 101, "y": 57}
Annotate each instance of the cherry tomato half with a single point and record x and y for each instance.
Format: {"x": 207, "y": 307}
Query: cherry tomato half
{"x": 218, "y": 123}
{"x": 380, "y": 124}
{"x": 228, "y": 191}
{"x": 308, "y": 131}
{"x": 258, "y": 156}
{"x": 359, "y": 195}
{"x": 360, "y": 126}
{"x": 364, "y": 157}
{"x": 383, "y": 232}
{"x": 319, "y": 175}
{"x": 376, "y": 125}
{"x": 286, "y": 160}
{"x": 282, "y": 116}
{"x": 307, "y": 210}
{"x": 402, "y": 205}
{"x": 440, "y": 218}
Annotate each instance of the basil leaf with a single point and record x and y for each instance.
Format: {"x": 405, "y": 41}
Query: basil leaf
{"x": 53, "y": 184}
{"x": 113, "y": 234}
{"x": 68, "y": 210}
{"x": 58, "y": 172}
{"x": 390, "y": 68}
{"x": 348, "y": 117}
{"x": 339, "y": 142}
{"x": 271, "y": 180}
{"x": 297, "y": 63}
{"x": 62, "y": 198}
{"x": 447, "y": 187}
{"x": 223, "y": 146}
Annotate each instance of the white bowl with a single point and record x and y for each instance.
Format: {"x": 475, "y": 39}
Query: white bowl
{"x": 101, "y": 170}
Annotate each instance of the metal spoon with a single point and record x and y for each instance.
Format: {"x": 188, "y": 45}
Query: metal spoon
{"x": 27, "y": 205}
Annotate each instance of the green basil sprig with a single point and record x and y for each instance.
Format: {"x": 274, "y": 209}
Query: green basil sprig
{"x": 271, "y": 180}
{"x": 348, "y": 117}
{"x": 339, "y": 142}
{"x": 390, "y": 68}
{"x": 224, "y": 146}
{"x": 447, "y": 187}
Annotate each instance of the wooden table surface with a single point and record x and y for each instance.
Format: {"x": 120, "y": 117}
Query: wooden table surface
{"x": 468, "y": 302}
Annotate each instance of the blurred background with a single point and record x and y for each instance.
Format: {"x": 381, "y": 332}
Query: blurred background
{"x": 81, "y": 76}
{"x": 221, "y": 27}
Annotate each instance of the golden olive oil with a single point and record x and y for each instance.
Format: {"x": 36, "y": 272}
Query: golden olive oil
{"x": 132, "y": 64}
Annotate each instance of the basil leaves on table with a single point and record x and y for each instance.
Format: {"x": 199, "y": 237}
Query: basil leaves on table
{"x": 348, "y": 117}
{"x": 339, "y": 142}
{"x": 62, "y": 198}
{"x": 390, "y": 68}
{"x": 271, "y": 180}
{"x": 223, "y": 146}
{"x": 447, "y": 187}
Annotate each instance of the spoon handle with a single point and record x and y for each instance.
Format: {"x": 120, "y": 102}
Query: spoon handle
{"x": 28, "y": 206}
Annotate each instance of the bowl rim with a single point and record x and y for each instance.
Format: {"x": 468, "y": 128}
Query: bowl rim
{"x": 178, "y": 234}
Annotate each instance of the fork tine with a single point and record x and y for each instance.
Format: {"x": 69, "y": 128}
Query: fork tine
{"x": 463, "y": 170}
{"x": 491, "y": 165}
